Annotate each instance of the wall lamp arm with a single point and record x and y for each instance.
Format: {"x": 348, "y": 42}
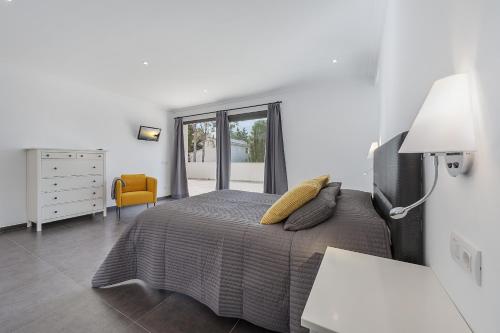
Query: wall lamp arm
{"x": 400, "y": 212}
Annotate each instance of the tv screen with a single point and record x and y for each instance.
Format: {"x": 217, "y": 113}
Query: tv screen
{"x": 149, "y": 133}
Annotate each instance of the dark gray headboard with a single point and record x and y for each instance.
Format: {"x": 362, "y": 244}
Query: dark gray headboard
{"x": 398, "y": 181}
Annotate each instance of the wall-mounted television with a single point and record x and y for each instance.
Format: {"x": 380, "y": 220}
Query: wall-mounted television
{"x": 149, "y": 133}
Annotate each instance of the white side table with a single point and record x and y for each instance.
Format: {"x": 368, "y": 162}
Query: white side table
{"x": 359, "y": 293}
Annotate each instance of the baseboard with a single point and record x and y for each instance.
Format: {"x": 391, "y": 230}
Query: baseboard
{"x": 24, "y": 225}
{"x": 13, "y": 227}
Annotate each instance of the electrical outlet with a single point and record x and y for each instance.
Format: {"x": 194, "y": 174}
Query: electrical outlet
{"x": 466, "y": 256}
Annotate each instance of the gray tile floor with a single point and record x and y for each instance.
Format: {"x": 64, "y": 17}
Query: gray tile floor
{"x": 45, "y": 285}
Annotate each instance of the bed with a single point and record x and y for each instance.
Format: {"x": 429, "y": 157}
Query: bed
{"x": 212, "y": 248}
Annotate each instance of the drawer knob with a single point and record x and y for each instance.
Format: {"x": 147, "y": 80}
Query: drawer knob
{"x": 81, "y": 155}
{"x": 93, "y": 167}
{"x": 55, "y": 168}
{"x": 99, "y": 156}
{"x": 55, "y": 198}
{"x": 47, "y": 155}
{"x": 94, "y": 193}
{"x": 55, "y": 212}
{"x": 94, "y": 205}
{"x": 55, "y": 184}
{"x": 70, "y": 155}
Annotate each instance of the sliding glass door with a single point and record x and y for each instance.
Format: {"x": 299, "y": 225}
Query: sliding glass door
{"x": 200, "y": 147}
{"x": 248, "y": 147}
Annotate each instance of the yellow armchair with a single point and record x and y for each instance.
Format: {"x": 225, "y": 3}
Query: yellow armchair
{"x": 139, "y": 189}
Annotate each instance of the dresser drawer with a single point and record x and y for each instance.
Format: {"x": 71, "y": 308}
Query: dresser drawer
{"x": 92, "y": 167}
{"x": 58, "y": 167}
{"x": 69, "y": 183}
{"x": 71, "y": 167}
{"x": 54, "y": 198}
{"x": 96, "y": 205}
{"x": 72, "y": 208}
{"x": 90, "y": 156}
{"x": 58, "y": 155}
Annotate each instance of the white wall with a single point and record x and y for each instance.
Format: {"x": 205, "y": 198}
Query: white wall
{"x": 327, "y": 126}
{"x": 423, "y": 41}
{"x": 37, "y": 110}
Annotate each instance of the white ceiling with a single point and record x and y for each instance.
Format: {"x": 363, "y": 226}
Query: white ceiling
{"x": 231, "y": 48}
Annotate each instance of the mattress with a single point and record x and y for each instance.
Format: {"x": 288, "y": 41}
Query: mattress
{"x": 213, "y": 248}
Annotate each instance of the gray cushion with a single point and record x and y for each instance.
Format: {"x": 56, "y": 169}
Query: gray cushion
{"x": 335, "y": 184}
{"x": 315, "y": 211}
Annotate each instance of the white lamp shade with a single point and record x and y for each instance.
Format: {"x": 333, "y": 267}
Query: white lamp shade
{"x": 444, "y": 123}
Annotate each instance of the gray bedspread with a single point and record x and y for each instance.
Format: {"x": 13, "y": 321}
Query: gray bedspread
{"x": 212, "y": 248}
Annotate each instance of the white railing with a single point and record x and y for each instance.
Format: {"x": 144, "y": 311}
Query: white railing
{"x": 241, "y": 171}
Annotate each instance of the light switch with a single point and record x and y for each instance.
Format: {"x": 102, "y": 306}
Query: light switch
{"x": 467, "y": 256}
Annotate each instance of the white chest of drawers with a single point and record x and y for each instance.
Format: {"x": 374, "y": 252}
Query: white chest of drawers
{"x": 65, "y": 183}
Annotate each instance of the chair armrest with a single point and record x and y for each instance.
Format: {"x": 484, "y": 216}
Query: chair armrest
{"x": 151, "y": 186}
{"x": 118, "y": 193}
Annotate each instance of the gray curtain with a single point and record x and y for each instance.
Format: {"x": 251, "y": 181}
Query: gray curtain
{"x": 179, "y": 185}
{"x": 275, "y": 179}
{"x": 223, "y": 150}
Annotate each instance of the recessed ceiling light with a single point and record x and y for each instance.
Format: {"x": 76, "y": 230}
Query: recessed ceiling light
{"x": 205, "y": 91}
{"x": 334, "y": 61}
{"x": 8, "y": 0}
{"x": 145, "y": 63}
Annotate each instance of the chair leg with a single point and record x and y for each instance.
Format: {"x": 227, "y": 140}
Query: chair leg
{"x": 119, "y": 215}
{"x": 154, "y": 204}
{"x": 147, "y": 205}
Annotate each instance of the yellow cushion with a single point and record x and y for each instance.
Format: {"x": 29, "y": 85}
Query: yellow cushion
{"x": 294, "y": 199}
{"x": 323, "y": 180}
{"x": 133, "y": 183}
{"x": 137, "y": 198}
